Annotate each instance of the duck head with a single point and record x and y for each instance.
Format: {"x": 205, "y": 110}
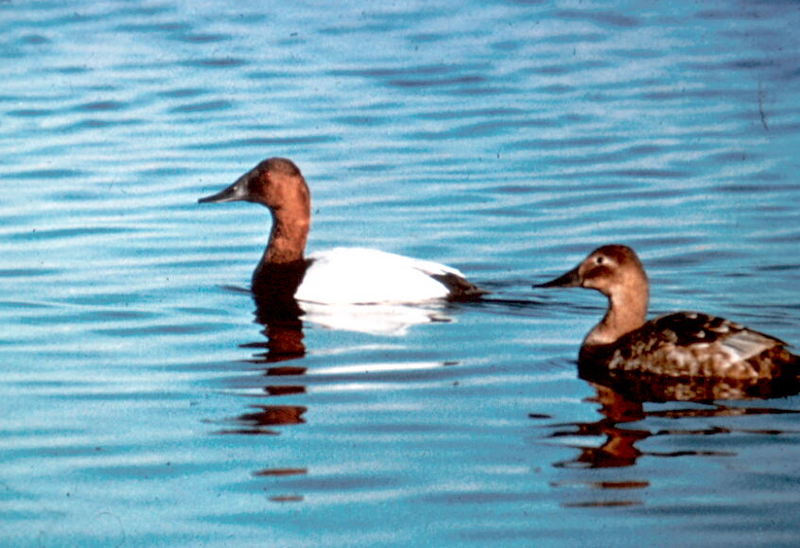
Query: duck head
{"x": 616, "y": 272}
{"x": 609, "y": 269}
{"x": 276, "y": 183}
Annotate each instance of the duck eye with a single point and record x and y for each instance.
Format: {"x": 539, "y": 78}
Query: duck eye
{"x": 599, "y": 259}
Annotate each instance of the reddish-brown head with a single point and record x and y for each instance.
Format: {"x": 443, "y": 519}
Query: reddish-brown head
{"x": 276, "y": 183}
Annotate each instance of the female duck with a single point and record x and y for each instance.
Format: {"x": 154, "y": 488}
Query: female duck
{"x": 337, "y": 276}
{"x": 682, "y": 344}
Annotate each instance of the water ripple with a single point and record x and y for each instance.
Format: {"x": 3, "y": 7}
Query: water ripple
{"x": 143, "y": 402}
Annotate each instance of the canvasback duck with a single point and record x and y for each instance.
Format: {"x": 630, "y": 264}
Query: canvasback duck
{"x": 337, "y": 276}
{"x": 682, "y": 344}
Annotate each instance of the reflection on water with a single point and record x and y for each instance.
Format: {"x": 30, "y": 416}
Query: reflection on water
{"x": 503, "y": 138}
{"x": 284, "y": 341}
{"x": 283, "y": 329}
{"x": 376, "y": 319}
{"x": 281, "y": 374}
{"x": 610, "y": 443}
{"x": 267, "y": 416}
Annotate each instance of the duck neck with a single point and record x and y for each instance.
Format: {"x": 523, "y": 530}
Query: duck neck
{"x": 287, "y": 240}
{"x": 627, "y": 310}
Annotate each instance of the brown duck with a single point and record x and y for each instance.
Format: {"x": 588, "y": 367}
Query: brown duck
{"x": 681, "y": 344}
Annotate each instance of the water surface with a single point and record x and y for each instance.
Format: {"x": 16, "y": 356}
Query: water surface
{"x": 144, "y": 403}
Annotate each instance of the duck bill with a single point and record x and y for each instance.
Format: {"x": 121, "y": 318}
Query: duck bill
{"x": 570, "y": 279}
{"x": 236, "y": 192}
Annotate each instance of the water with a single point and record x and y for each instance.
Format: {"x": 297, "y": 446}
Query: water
{"x": 142, "y": 403}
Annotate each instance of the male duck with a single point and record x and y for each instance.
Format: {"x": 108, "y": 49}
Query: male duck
{"x": 337, "y": 276}
{"x": 682, "y": 344}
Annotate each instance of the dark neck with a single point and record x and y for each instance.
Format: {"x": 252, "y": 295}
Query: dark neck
{"x": 282, "y": 267}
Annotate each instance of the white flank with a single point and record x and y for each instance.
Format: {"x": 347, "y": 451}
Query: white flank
{"x": 354, "y": 275}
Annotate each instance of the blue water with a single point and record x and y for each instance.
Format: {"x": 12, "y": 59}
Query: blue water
{"x": 143, "y": 404}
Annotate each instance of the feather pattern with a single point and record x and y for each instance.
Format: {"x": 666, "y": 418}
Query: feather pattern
{"x": 691, "y": 344}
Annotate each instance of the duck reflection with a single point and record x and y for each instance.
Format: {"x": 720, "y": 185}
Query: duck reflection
{"x": 622, "y": 399}
{"x": 613, "y": 441}
{"x": 619, "y": 448}
{"x": 283, "y": 320}
{"x": 283, "y": 330}
{"x": 261, "y": 421}
{"x": 393, "y": 319}
{"x": 280, "y": 355}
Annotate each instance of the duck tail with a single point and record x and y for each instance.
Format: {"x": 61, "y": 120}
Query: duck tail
{"x": 460, "y": 289}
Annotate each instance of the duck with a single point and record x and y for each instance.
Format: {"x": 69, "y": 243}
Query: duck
{"x": 342, "y": 275}
{"x": 680, "y": 344}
